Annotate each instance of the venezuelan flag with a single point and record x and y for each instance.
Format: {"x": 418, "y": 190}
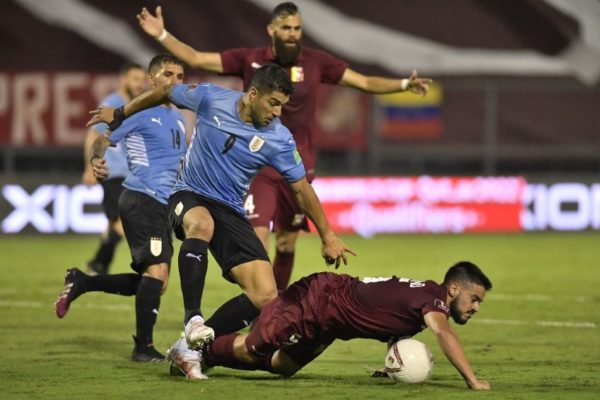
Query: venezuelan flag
{"x": 410, "y": 116}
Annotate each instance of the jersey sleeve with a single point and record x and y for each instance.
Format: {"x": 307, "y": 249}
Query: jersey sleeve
{"x": 188, "y": 96}
{"x": 332, "y": 68}
{"x": 288, "y": 161}
{"x": 435, "y": 301}
{"x": 233, "y": 61}
{"x": 128, "y": 125}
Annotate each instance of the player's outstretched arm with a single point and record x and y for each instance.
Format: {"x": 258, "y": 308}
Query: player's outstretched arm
{"x": 99, "y": 168}
{"x": 88, "y": 177}
{"x": 378, "y": 85}
{"x": 332, "y": 249}
{"x": 114, "y": 116}
{"x": 155, "y": 27}
{"x": 448, "y": 341}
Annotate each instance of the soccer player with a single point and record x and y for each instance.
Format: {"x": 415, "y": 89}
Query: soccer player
{"x": 155, "y": 144}
{"x": 236, "y": 135}
{"x": 305, "y": 319}
{"x": 131, "y": 84}
{"x": 270, "y": 199}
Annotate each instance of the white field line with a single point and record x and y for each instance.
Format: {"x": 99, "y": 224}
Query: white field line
{"x": 536, "y": 297}
{"x": 553, "y": 324}
{"x": 123, "y": 307}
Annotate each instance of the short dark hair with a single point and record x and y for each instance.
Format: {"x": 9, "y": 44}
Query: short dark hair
{"x": 128, "y": 66}
{"x": 160, "y": 59}
{"x": 284, "y": 10}
{"x": 272, "y": 78}
{"x": 466, "y": 272}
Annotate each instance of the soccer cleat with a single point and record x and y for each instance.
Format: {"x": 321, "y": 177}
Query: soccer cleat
{"x": 185, "y": 360}
{"x": 197, "y": 334}
{"x": 70, "y": 291}
{"x": 145, "y": 353}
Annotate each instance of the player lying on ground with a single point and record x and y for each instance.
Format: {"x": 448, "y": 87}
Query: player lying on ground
{"x": 306, "y": 318}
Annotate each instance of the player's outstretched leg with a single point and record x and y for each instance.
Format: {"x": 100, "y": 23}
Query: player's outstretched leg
{"x": 71, "y": 290}
{"x": 197, "y": 334}
{"x": 185, "y": 360}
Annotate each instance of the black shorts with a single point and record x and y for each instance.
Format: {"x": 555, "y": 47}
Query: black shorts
{"x": 234, "y": 241}
{"x": 146, "y": 229}
{"x": 110, "y": 202}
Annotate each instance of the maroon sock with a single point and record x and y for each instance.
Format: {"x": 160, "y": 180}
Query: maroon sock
{"x": 220, "y": 353}
{"x": 282, "y": 269}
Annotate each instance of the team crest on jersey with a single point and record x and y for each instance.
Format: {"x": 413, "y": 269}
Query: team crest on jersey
{"x": 155, "y": 246}
{"x": 255, "y": 144}
{"x": 296, "y": 74}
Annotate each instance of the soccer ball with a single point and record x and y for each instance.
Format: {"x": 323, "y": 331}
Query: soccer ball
{"x": 409, "y": 361}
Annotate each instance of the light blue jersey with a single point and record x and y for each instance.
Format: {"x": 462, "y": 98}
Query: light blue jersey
{"x": 226, "y": 152}
{"x": 154, "y": 140}
{"x": 115, "y": 157}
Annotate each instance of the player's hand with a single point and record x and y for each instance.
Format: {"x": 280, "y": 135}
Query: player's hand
{"x": 88, "y": 177}
{"x": 152, "y": 25}
{"x": 479, "y": 385}
{"x": 334, "y": 251}
{"x": 102, "y": 114}
{"x": 99, "y": 168}
{"x": 418, "y": 85}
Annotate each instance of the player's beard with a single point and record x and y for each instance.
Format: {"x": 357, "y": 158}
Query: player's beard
{"x": 285, "y": 55}
{"x": 456, "y": 314}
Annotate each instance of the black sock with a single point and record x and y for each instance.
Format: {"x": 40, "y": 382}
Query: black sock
{"x": 193, "y": 263}
{"x": 232, "y": 316}
{"x": 123, "y": 284}
{"x": 106, "y": 251}
{"x": 147, "y": 303}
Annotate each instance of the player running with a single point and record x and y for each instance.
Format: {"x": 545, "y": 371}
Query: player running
{"x": 306, "y": 318}
{"x": 236, "y": 135}
{"x": 155, "y": 142}
{"x": 269, "y": 198}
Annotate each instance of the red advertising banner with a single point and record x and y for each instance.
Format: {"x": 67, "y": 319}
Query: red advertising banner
{"x": 49, "y": 108}
{"x": 369, "y": 206}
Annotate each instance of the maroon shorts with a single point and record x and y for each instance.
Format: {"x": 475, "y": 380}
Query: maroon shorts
{"x": 271, "y": 199}
{"x": 288, "y": 323}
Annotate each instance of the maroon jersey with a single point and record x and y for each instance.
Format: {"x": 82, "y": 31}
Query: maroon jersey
{"x": 311, "y": 68}
{"x": 347, "y": 308}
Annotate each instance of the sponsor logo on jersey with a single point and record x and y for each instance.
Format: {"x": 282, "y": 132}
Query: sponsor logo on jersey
{"x": 255, "y": 65}
{"x": 296, "y": 74}
{"x": 218, "y": 121}
{"x": 155, "y": 246}
{"x": 297, "y": 157}
{"x": 255, "y": 144}
{"x": 157, "y": 120}
{"x": 441, "y": 305}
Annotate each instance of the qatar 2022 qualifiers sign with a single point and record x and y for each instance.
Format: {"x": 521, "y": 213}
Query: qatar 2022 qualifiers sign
{"x": 363, "y": 205}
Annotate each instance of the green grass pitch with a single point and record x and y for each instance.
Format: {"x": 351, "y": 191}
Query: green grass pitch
{"x": 537, "y": 335}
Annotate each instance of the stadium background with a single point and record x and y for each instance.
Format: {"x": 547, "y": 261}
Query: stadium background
{"x": 515, "y": 94}
{"x": 507, "y": 141}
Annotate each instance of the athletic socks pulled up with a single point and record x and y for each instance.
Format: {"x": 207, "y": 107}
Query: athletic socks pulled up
{"x": 193, "y": 264}
{"x": 235, "y": 314}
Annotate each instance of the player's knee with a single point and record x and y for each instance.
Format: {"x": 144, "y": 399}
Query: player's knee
{"x": 160, "y": 272}
{"x": 286, "y": 242}
{"x": 260, "y": 299}
{"x": 199, "y": 229}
